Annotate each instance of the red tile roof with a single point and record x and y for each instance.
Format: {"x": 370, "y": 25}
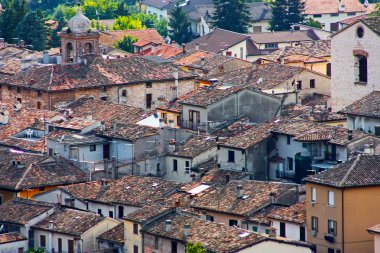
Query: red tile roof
{"x": 295, "y": 213}
{"x": 11, "y": 237}
{"x": 332, "y": 6}
{"x": 109, "y": 38}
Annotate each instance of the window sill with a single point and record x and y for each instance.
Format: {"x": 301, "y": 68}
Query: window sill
{"x": 361, "y": 83}
{"x": 331, "y": 205}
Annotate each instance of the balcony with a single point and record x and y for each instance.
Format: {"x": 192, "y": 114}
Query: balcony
{"x": 285, "y": 175}
{"x": 330, "y": 238}
{"x": 202, "y": 127}
{"x": 209, "y": 127}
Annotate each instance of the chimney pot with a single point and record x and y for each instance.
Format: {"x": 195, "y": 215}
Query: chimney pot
{"x": 239, "y": 191}
{"x": 168, "y": 225}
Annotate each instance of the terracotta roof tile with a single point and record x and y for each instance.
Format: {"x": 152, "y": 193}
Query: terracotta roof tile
{"x": 195, "y": 146}
{"x": 69, "y": 221}
{"x": 295, "y": 213}
{"x": 147, "y": 213}
{"x": 11, "y": 237}
{"x": 109, "y": 38}
{"x": 332, "y": 6}
{"x": 115, "y": 234}
{"x": 130, "y": 132}
{"x": 368, "y": 106}
{"x": 284, "y": 36}
{"x": 21, "y": 211}
{"x": 359, "y": 171}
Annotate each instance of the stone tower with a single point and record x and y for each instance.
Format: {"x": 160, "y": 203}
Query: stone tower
{"x": 78, "y": 38}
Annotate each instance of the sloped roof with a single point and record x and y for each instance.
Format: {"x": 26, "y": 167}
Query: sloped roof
{"x": 11, "y": 237}
{"x": 69, "y": 221}
{"x": 95, "y": 72}
{"x": 115, "y": 234}
{"x": 217, "y": 40}
{"x": 284, "y": 36}
{"x": 130, "y": 132}
{"x": 109, "y": 38}
{"x": 21, "y": 211}
{"x": 332, "y": 6}
{"x": 195, "y": 146}
{"x": 360, "y": 171}
{"x": 36, "y": 171}
{"x": 295, "y": 213}
{"x": 368, "y": 106}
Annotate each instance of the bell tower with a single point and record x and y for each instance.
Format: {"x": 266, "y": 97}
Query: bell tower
{"x": 78, "y": 38}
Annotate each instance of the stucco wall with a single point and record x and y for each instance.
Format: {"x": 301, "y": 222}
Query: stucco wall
{"x": 14, "y": 246}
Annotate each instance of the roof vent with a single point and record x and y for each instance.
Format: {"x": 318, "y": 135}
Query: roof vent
{"x": 168, "y": 225}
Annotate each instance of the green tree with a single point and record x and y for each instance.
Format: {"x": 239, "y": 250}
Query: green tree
{"x": 55, "y": 40}
{"x": 162, "y": 27}
{"x": 104, "y": 9}
{"x": 125, "y": 23}
{"x": 66, "y": 12}
{"x": 232, "y": 15}
{"x": 286, "y": 13}
{"x": 14, "y": 11}
{"x": 180, "y": 26}
{"x": 32, "y": 30}
{"x": 314, "y": 23}
{"x": 39, "y": 250}
{"x": 126, "y": 44}
{"x": 195, "y": 248}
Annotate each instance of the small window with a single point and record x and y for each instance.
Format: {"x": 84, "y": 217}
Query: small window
{"x": 314, "y": 223}
{"x": 360, "y": 32}
{"x": 156, "y": 242}
{"x": 290, "y": 163}
{"x": 104, "y": 98}
{"x": 313, "y": 194}
{"x": 148, "y": 85}
{"x": 328, "y": 69}
{"x": 103, "y": 89}
{"x": 332, "y": 227}
{"x": 330, "y": 250}
{"x": 233, "y": 223}
{"x": 92, "y": 148}
{"x": 288, "y": 139}
{"x": 331, "y": 198}
{"x": 304, "y": 145}
{"x": 121, "y": 212}
{"x": 255, "y": 229}
{"x": 351, "y": 14}
{"x": 282, "y": 229}
{"x": 267, "y": 231}
{"x": 9, "y": 87}
{"x": 135, "y": 249}
{"x": 312, "y": 83}
{"x": 18, "y": 90}
{"x": 124, "y": 93}
{"x": 174, "y": 247}
{"x": 59, "y": 245}
{"x": 135, "y": 228}
{"x": 209, "y": 218}
{"x": 100, "y": 211}
{"x": 40, "y": 188}
{"x": 231, "y": 156}
{"x": 165, "y": 117}
{"x": 361, "y": 69}
{"x": 110, "y": 214}
{"x": 39, "y": 105}
{"x": 39, "y": 93}
{"x": 377, "y": 130}
{"x": 299, "y": 85}
{"x": 42, "y": 241}
{"x": 317, "y": 16}
{"x": 334, "y": 14}
{"x": 175, "y": 165}
{"x": 271, "y": 45}
{"x": 1, "y": 199}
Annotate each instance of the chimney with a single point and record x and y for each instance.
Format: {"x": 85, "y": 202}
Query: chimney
{"x": 239, "y": 191}
{"x": 272, "y": 232}
{"x": 349, "y": 135}
{"x": 368, "y": 149}
{"x": 115, "y": 173}
{"x": 2, "y": 42}
{"x": 272, "y": 197}
{"x": 21, "y": 44}
{"x": 282, "y": 59}
{"x": 104, "y": 185}
{"x": 51, "y": 224}
{"x": 177, "y": 205}
{"x": 202, "y": 61}
{"x": 183, "y": 48}
{"x": 175, "y": 74}
{"x": 197, "y": 46}
{"x": 114, "y": 127}
{"x": 102, "y": 125}
{"x": 187, "y": 230}
{"x": 45, "y": 57}
{"x": 168, "y": 225}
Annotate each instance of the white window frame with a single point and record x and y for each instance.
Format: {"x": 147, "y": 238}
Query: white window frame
{"x": 331, "y": 198}
{"x": 313, "y": 194}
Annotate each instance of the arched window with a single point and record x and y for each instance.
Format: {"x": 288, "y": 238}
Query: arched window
{"x": 69, "y": 52}
{"x": 361, "y": 70}
{"x": 88, "y": 48}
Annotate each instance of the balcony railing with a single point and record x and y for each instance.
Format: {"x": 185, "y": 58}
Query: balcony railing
{"x": 285, "y": 175}
{"x": 202, "y": 127}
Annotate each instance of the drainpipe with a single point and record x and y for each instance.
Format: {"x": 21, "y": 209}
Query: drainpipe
{"x": 342, "y": 221}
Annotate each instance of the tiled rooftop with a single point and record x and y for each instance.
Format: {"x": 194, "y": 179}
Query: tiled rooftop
{"x": 36, "y": 171}
{"x": 195, "y": 146}
{"x": 21, "y": 211}
{"x": 109, "y": 38}
{"x": 284, "y": 36}
{"x": 295, "y": 213}
{"x": 130, "y": 132}
{"x": 207, "y": 233}
{"x": 224, "y": 199}
{"x": 103, "y": 110}
{"x": 310, "y": 113}
{"x": 130, "y": 190}
{"x": 94, "y": 72}
{"x": 73, "y": 138}
{"x": 146, "y": 213}
{"x": 360, "y": 171}
{"x": 11, "y": 237}
{"x": 368, "y": 106}
{"x": 271, "y": 74}
{"x": 69, "y": 221}
{"x": 115, "y": 234}
{"x": 331, "y": 6}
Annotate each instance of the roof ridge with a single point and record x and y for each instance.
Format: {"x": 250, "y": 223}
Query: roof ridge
{"x": 357, "y": 159}
{"x": 24, "y": 175}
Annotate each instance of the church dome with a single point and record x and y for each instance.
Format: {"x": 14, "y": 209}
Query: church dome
{"x": 79, "y": 23}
